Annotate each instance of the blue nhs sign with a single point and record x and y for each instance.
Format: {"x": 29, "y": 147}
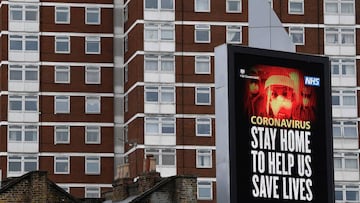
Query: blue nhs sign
{"x": 312, "y": 81}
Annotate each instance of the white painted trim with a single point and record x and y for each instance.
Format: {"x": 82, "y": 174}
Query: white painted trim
{"x": 83, "y": 185}
{"x": 71, "y": 34}
{"x": 206, "y": 179}
{"x": 70, "y": 154}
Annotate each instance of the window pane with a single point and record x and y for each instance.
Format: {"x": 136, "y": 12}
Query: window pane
{"x": 233, "y": 6}
{"x": 351, "y": 163}
{"x": 15, "y": 74}
{"x": 352, "y": 195}
{"x": 335, "y": 100}
{"x": 167, "y": 4}
{"x": 15, "y": 105}
{"x": 347, "y": 8}
{"x": 168, "y": 160}
{"x": 151, "y": 4}
{"x": 202, "y": 5}
{"x": 93, "y": 15}
{"x": 31, "y": 15}
{"x": 14, "y": 166}
{"x": 349, "y": 100}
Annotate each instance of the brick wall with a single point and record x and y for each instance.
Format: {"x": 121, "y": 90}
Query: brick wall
{"x": 34, "y": 187}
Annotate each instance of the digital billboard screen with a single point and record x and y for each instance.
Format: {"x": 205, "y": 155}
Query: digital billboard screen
{"x": 280, "y": 147}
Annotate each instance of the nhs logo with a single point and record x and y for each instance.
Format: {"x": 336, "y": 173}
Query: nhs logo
{"x": 312, "y": 81}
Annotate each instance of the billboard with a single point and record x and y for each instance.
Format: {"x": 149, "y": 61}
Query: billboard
{"x": 273, "y": 126}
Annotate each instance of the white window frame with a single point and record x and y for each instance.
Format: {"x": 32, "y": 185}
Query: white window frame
{"x": 24, "y": 70}
{"x": 343, "y": 127}
{"x": 202, "y": 154}
{"x": 347, "y": 190}
{"x": 62, "y": 70}
{"x": 197, "y": 7}
{"x": 25, "y": 41}
{"x": 228, "y": 2}
{"x": 161, "y": 62}
{"x": 94, "y": 101}
{"x": 343, "y": 159}
{"x": 159, "y": 32}
{"x": 344, "y": 93}
{"x": 160, "y": 123}
{"x": 65, "y": 40}
{"x": 160, "y": 155}
{"x": 62, "y": 160}
{"x": 230, "y": 31}
{"x": 22, "y": 159}
{"x": 202, "y": 90}
{"x": 21, "y": 131}
{"x": 91, "y": 41}
{"x": 202, "y": 28}
{"x": 64, "y": 10}
{"x": 339, "y": 34}
{"x": 341, "y": 64}
{"x": 203, "y": 184}
{"x": 92, "y": 192}
{"x": 63, "y": 129}
{"x": 160, "y": 91}
{"x": 339, "y": 5}
{"x": 203, "y": 121}
{"x": 159, "y": 5}
{"x": 92, "y": 160}
{"x": 92, "y": 72}
{"x": 94, "y": 11}
{"x": 291, "y": 11}
{"x": 297, "y": 32}
{"x": 62, "y": 99}
{"x": 200, "y": 62}
{"x": 24, "y": 9}
{"x": 91, "y": 130}
{"x": 24, "y": 99}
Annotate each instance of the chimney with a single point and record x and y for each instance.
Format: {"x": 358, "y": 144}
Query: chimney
{"x": 122, "y": 182}
{"x": 149, "y": 164}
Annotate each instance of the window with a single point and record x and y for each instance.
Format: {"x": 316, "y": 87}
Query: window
{"x": 126, "y": 73}
{"x": 204, "y": 190}
{"x": 347, "y": 193}
{"x": 159, "y": 32}
{"x": 346, "y": 161}
{"x": 62, "y": 44}
{"x": 62, "y": 74}
{"x": 62, "y": 165}
{"x": 202, "y": 64}
{"x": 346, "y": 98}
{"x": 164, "y": 157}
{"x": 345, "y": 129}
{"x": 343, "y": 7}
{"x": 62, "y": 15}
{"x": 62, "y": 134}
{"x": 202, "y": 5}
{"x": 92, "y": 135}
{"x": 159, "y": 126}
{"x": 296, "y": 6}
{"x": 233, "y": 34}
{"x": 23, "y": 133}
{"x": 23, "y": 103}
{"x": 233, "y": 6}
{"x": 92, "y": 45}
{"x": 339, "y": 36}
{"x": 28, "y": 73}
{"x": 22, "y": 164}
{"x": 92, "y": 192}
{"x": 163, "y": 94}
{"x": 202, "y": 33}
{"x": 343, "y": 67}
{"x": 62, "y": 104}
{"x": 203, "y": 96}
{"x": 92, "y": 105}
{"x": 297, "y": 35}
{"x": 23, "y": 43}
{"x": 24, "y": 13}
{"x": 93, "y": 16}
{"x": 159, "y": 4}
{"x": 204, "y": 158}
{"x": 92, "y": 165}
{"x": 203, "y": 127}
{"x": 93, "y": 75}
{"x": 159, "y": 63}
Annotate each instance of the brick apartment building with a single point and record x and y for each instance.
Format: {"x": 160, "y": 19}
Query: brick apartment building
{"x": 90, "y": 84}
